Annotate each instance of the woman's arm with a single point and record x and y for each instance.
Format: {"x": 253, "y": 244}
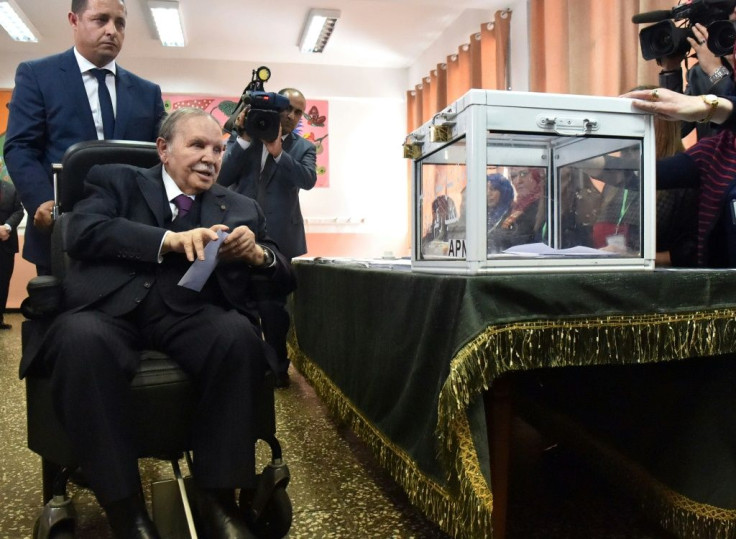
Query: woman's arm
{"x": 674, "y": 106}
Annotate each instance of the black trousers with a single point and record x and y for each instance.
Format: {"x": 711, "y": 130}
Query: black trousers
{"x": 7, "y": 263}
{"x": 93, "y": 357}
{"x": 275, "y": 322}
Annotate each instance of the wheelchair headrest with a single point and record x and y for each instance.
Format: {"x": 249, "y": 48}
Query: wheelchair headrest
{"x": 80, "y": 157}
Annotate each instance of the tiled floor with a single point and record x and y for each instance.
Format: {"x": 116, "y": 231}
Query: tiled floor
{"x": 336, "y": 489}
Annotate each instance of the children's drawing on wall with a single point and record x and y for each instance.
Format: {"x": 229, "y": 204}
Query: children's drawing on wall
{"x": 4, "y": 100}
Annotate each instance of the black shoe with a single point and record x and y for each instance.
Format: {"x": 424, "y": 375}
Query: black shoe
{"x": 3, "y": 325}
{"x": 129, "y": 519}
{"x": 217, "y": 516}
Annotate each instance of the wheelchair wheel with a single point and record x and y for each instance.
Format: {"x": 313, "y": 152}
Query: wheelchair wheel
{"x": 275, "y": 521}
{"x": 63, "y": 530}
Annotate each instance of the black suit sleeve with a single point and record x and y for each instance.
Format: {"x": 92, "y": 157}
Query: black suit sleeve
{"x": 301, "y": 173}
{"x": 17, "y": 216}
{"x": 99, "y": 228}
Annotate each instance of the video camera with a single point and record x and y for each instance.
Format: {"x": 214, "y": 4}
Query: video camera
{"x": 667, "y": 39}
{"x": 262, "y": 119}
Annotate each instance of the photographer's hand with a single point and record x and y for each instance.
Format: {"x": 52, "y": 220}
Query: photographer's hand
{"x": 708, "y": 61}
{"x": 240, "y": 124}
{"x": 274, "y": 147}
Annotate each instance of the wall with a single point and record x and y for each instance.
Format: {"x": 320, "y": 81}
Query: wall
{"x": 365, "y": 211}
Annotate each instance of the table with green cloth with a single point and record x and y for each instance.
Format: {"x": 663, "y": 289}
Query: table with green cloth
{"x": 407, "y": 359}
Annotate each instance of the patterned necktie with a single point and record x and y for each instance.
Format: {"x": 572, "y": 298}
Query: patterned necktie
{"x": 183, "y": 204}
{"x": 108, "y": 115}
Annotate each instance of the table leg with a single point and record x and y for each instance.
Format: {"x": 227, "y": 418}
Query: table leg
{"x": 498, "y": 421}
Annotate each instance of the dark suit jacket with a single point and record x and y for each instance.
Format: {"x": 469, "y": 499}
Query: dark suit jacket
{"x": 49, "y": 111}
{"x": 295, "y": 170}
{"x": 11, "y": 212}
{"x": 114, "y": 234}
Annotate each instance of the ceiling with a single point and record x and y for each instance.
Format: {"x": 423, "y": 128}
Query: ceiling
{"x": 369, "y": 33}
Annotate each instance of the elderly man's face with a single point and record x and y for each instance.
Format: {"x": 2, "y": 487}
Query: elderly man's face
{"x": 193, "y": 156}
{"x": 99, "y": 30}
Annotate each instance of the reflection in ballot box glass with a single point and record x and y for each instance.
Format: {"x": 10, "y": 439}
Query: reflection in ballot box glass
{"x": 535, "y": 182}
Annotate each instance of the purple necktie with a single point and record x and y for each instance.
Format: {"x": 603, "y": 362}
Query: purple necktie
{"x": 183, "y": 203}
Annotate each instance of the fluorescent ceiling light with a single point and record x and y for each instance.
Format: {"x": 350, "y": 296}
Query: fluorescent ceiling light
{"x": 16, "y": 23}
{"x": 317, "y": 29}
{"x": 167, "y": 19}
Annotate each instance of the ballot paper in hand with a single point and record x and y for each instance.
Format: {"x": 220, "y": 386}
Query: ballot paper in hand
{"x": 200, "y": 270}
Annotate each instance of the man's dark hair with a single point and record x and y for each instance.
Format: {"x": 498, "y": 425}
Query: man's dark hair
{"x": 171, "y": 120}
{"x": 78, "y": 6}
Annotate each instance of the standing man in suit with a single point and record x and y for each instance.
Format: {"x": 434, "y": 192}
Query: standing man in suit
{"x": 58, "y": 101}
{"x": 130, "y": 241}
{"x": 11, "y": 214}
{"x": 273, "y": 172}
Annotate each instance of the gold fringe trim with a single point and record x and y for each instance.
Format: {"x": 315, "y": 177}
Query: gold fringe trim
{"x": 608, "y": 340}
{"x": 423, "y": 492}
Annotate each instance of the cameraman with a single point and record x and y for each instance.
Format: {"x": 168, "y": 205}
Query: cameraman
{"x": 711, "y": 75}
{"x": 273, "y": 173}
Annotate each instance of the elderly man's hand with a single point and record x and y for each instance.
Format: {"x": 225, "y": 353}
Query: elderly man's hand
{"x": 43, "y": 219}
{"x": 241, "y": 245}
{"x": 191, "y": 242}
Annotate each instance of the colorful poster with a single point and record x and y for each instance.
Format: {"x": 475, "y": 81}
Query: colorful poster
{"x": 313, "y": 126}
{"x": 4, "y": 100}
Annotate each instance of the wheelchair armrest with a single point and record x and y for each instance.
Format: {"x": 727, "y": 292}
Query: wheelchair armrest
{"x": 44, "y": 297}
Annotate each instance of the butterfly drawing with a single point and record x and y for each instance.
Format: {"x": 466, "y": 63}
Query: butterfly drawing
{"x": 313, "y": 117}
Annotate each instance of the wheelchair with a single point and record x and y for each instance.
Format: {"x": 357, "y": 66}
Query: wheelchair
{"x": 163, "y": 396}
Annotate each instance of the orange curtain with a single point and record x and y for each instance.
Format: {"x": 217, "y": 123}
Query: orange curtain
{"x": 480, "y": 63}
{"x": 588, "y": 48}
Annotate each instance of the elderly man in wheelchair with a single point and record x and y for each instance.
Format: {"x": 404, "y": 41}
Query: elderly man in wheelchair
{"x": 129, "y": 287}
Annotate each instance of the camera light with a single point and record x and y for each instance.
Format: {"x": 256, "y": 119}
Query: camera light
{"x": 263, "y": 74}
{"x": 15, "y": 23}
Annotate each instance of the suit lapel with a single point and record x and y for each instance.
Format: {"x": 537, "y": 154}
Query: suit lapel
{"x": 274, "y": 165}
{"x": 151, "y": 185}
{"x": 124, "y": 101}
{"x": 288, "y": 141}
{"x": 72, "y": 84}
{"x": 213, "y": 207}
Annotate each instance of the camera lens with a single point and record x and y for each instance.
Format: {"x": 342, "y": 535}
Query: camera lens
{"x": 663, "y": 39}
{"x": 721, "y": 37}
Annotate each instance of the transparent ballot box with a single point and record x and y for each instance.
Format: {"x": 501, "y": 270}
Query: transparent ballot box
{"x": 519, "y": 181}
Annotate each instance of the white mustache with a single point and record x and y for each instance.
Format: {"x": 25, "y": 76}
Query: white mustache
{"x": 207, "y": 169}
